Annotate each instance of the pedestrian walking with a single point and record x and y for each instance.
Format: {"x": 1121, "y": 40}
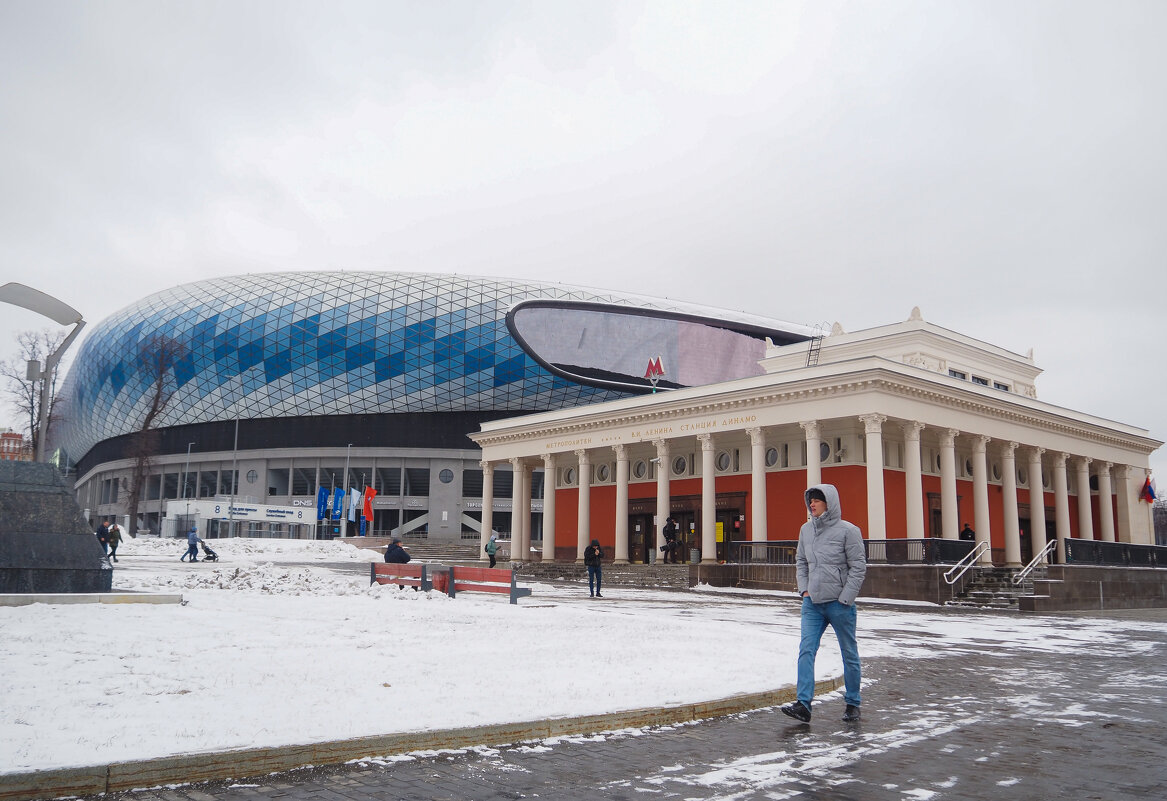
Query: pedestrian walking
{"x": 114, "y": 536}
{"x": 830, "y": 566}
{"x": 192, "y": 545}
{"x": 492, "y": 547}
{"x": 102, "y": 533}
{"x": 593, "y": 559}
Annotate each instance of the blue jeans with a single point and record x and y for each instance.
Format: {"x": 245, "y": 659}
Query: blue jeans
{"x": 594, "y": 574}
{"x": 815, "y": 619}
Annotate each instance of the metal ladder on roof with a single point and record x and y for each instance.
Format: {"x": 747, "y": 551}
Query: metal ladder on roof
{"x": 816, "y": 345}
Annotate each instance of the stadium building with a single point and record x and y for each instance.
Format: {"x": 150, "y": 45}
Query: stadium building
{"x": 239, "y": 402}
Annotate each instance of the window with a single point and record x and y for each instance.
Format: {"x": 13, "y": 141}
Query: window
{"x": 639, "y": 469}
{"x": 569, "y": 476}
{"x": 771, "y": 457}
{"x": 446, "y": 476}
{"x": 958, "y": 374}
{"x": 680, "y": 466}
{"x": 723, "y": 461}
{"x": 984, "y": 382}
{"x": 1000, "y": 386}
{"x": 603, "y": 472}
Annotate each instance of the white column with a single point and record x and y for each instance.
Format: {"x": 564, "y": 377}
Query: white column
{"x": 913, "y": 481}
{"x": 981, "y": 496}
{"x": 1125, "y": 495}
{"x": 518, "y": 551}
{"x": 949, "y": 511}
{"x": 584, "y": 514}
{"x": 550, "y": 479}
{"x": 621, "y": 554}
{"x": 1132, "y": 517}
{"x": 525, "y": 500}
{"x": 1105, "y": 502}
{"x": 1085, "y": 519}
{"x": 876, "y": 511}
{"x": 1061, "y": 504}
{"x": 662, "y": 491}
{"x": 814, "y": 469}
{"x": 1036, "y": 501}
{"x": 708, "y": 500}
{"x": 487, "y": 508}
{"x": 757, "y": 484}
{"x": 1009, "y": 501}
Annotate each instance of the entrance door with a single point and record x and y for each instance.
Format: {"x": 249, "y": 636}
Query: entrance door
{"x": 641, "y": 539}
{"x": 728, "y": 521}
{"x": 688, "y": 536}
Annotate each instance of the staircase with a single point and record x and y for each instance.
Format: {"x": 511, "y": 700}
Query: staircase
{"x": 993, "y": 588}
{"x": 425, "y": 550}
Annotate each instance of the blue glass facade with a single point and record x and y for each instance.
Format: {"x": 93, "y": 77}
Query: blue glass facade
{"x": 313, "y": 344}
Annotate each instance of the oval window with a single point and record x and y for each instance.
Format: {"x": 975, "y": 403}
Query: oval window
{"x": 639, "y": 469}
{"x": 824, "y": 451}
{"x": 723, "y": 461}
{"x": 1021, "y": 476}
{"x": 446, "y": 476}
{"x": 680, "y": 466}
{"x": 603, "y": 472}
{"x": 252, "y": 476}
{"x": 569, "y": 476}
{"x": 771, "y": 457}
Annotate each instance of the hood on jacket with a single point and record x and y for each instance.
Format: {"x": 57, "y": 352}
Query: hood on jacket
{"x": 834, "y": 511}
{"x": 595, "y": 542}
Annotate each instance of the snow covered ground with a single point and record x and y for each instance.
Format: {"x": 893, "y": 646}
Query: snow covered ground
{"x": 275, "y": 645}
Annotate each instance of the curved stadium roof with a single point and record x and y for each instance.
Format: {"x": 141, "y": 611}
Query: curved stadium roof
{"x": 303, "y": 344}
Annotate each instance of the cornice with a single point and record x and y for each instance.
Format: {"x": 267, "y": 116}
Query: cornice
{"x": 745, "y": 395}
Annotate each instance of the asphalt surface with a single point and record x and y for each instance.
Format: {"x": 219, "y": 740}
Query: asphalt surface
{"x": 990, "y": 720}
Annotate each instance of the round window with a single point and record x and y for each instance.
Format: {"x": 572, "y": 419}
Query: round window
{"x": 996, "y": 472}
{"x": 824, "y": 451}
{"x": 569, "y": 476}
{"x": 680, "y": 466}
{"x": 252, "y": 476}
{"x": 723, "y": 461}
{"x": 602, "y": 472}
{"x": 639, "y": 469}
{"x": 771, "y": 457}
{"x": 1021, "y": 476}
{"x": 446, "y": 476}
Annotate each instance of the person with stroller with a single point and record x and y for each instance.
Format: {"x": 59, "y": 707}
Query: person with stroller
{"x": 208, "y": 554}
{"x": 192, "y": 545}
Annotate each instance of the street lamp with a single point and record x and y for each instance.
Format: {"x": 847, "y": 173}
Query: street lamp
{"x": 59, "y": 312}
{"x": 185, "y": 474}
{"x": 235, "y": 456}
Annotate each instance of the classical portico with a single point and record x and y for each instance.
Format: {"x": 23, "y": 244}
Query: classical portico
{"x": 889, "y": 415}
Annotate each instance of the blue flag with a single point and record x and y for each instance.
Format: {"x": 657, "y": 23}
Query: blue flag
{"x": 338, "y": 503}
{"x": 321, "y": 503}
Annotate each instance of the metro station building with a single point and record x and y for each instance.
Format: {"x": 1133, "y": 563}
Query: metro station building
{"x": 921, "y": 428}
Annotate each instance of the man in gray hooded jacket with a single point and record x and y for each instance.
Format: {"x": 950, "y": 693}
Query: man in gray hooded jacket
{"x": 831, "y": 564}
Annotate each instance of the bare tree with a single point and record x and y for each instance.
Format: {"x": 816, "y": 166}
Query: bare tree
{"x": 156, "y": 358}
{"x": 24, "y": 394}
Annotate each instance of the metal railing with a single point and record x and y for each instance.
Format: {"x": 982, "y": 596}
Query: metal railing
{"x": 954, "y": 573}
{"x": 1098, "y": 552}
{"x": 927, "y": 551}
{"x": 1041, "y": 558}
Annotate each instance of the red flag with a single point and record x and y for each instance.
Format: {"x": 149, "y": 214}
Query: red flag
{"x": 370, "y": 494}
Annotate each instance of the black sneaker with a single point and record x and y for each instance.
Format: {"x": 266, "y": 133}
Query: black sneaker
{"x": 851, "y": 714}
{"x": 798, "y": 710}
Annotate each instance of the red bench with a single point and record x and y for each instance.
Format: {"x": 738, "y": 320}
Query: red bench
{"x": 484, "y": 579}
{"x": 402, "y": 575}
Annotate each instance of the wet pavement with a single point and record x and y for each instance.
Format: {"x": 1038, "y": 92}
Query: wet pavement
{"x": 1039, "y": 716}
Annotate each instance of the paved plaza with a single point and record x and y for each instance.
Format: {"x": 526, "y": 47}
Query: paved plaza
{"x": 971, "y": 722}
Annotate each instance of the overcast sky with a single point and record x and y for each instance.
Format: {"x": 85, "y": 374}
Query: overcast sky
{"x": 1002, "y": 165}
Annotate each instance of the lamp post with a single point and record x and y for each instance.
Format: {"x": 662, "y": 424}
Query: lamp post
{"x": 235, "y": 457}
{"x": 185, "y": 474}
{"x": 59, "y": 312}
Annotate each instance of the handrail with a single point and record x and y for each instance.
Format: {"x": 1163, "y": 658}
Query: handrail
{"x": 1034, "y": 562}
{"x": 953, "y": 574}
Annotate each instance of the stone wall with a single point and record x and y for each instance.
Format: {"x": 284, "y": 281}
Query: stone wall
{"x": 1084, "y": 587}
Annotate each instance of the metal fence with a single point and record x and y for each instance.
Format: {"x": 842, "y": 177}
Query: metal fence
{"x": 1097, "y": 552}
{"x": 926, "y": 551}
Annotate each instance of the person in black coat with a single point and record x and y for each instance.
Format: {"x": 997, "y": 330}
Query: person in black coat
{"x": 670, "y": 535}
{"x": 395, "y": 553}
{"x": 593, "y": 558}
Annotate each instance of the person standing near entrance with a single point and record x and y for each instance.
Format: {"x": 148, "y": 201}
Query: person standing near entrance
{"x": 967, "y": 533}
{"x": 492, "y": 547}
{"x": 593, "y": 559}
{"x": 830, "y": 565}
{"x": 670, "y": 535}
